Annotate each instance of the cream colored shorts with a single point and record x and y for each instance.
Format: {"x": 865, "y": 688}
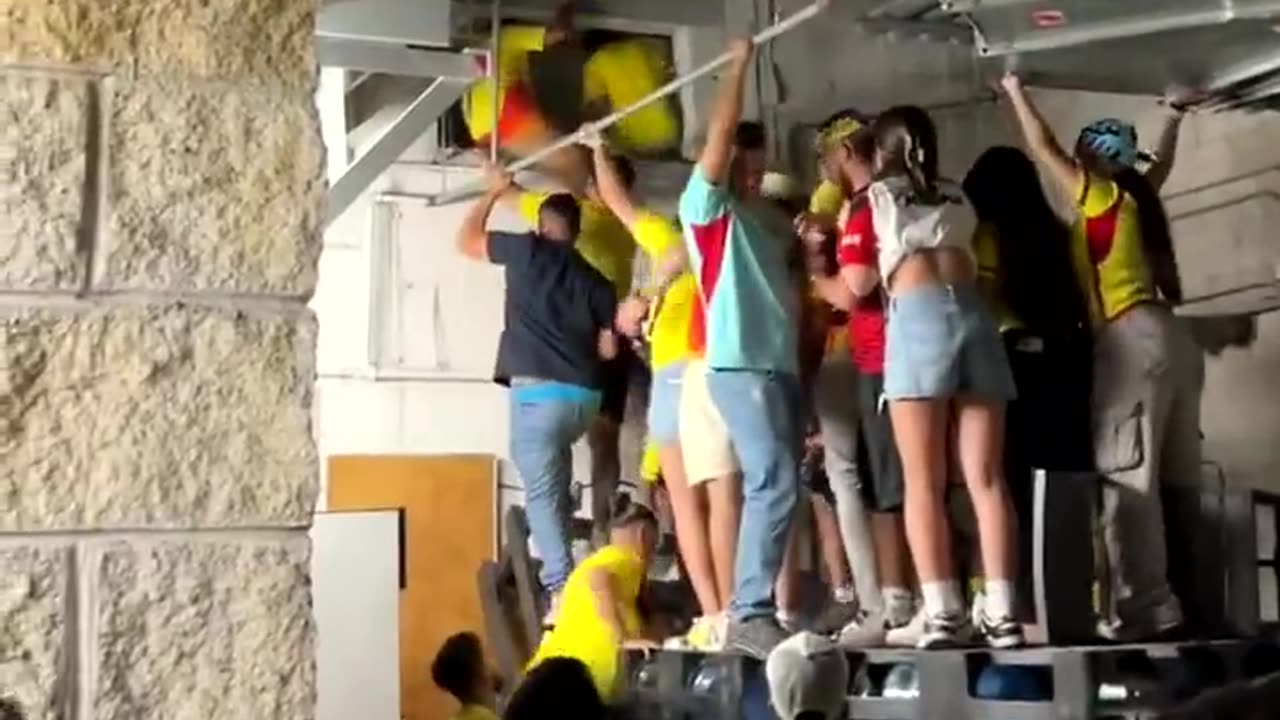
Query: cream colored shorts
{"x": 704, "y": 438}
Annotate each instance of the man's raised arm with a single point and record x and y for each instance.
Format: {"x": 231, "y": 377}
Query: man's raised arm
{"x": 473, "y": 239}
{"x": 725, "y": 114}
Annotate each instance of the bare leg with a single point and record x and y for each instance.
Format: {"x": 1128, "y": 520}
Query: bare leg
{"x": 688, "y": 505}
{"x": 828, "y": 529}
{"x": 893, "y": 561}
{"x": 725, "y": 502}
{"x": 920, "y": 429}
{"x": 980, "y": 441}
{"x": 980, "y": 432}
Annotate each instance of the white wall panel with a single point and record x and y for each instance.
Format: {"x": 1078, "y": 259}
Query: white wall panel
{"x": 445, "y": 314}
{"x": 355, "y": 577}
{"x": 341, "y": 302}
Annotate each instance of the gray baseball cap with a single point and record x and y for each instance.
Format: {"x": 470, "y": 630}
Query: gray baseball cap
{"x": 807, "y": 673}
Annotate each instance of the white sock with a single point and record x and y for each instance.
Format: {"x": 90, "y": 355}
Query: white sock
{"x": 843, "y": 594}
{"x": 898, "y": 605}
{"x": 942, "y": 597}
{"x": 999, "y": 599}
{"x": 784, "y": 615}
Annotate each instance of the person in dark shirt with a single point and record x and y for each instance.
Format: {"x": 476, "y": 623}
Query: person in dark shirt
{"x": 561, "y": 316}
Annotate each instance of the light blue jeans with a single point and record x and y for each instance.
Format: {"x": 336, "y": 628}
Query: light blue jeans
{"x": 546, "y": 420}
{"x": 761, "y": 411}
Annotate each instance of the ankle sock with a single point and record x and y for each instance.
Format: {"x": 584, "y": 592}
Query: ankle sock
{"x": 942, "y": 597}
{"x": 998, "y": 599}
{"x": 843, "y": 594}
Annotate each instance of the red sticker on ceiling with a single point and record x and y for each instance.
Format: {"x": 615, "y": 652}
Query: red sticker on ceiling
{"x": 1044, "y": 19}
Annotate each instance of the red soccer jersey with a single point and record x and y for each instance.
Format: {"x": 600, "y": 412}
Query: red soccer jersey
{"x": 858, "y": 247}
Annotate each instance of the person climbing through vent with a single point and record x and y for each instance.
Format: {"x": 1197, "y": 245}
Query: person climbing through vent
{"x": 738, "y": 248}
{"x": 1148, "y": 372}
{"x": 562, "y": 323}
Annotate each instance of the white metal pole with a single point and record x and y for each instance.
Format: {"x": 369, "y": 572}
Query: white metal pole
{"x": 769, "y": 33}
{"x": 495, "y": 38}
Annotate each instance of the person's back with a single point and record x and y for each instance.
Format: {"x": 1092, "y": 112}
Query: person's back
{"x": 554, "y": 303}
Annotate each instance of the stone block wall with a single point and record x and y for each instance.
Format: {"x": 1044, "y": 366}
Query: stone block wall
{"x": 161, "y": 196}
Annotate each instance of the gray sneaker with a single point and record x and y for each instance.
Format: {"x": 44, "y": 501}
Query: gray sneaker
{"x": 754, "y": 637}
{"x": 864, "y": 631}
{"x": 836, "y": 616}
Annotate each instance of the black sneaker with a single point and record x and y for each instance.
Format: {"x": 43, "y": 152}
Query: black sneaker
{"x": 1001, "y": 633}
{"x": 754, "y": 637}
{"x": 836, "y": 616}
{"x": 945, "y": 630}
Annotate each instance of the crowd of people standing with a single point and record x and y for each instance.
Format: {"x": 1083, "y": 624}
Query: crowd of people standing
{"x": 853, "y": 356}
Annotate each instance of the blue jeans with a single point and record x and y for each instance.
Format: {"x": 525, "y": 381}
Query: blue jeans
{"x": 546, "y": 420}
{"x": 761, "y": 411}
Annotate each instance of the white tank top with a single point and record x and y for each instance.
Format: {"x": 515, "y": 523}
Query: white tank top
{"x": 906, "y": 225}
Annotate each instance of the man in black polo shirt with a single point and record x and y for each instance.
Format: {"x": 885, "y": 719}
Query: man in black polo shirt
{"x": 561, "y": 320}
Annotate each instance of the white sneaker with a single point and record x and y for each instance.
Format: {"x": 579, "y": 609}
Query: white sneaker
{"x": 907, "y": 635}
{"x": 946, "y": 630}
{"x": 866, "y": 630}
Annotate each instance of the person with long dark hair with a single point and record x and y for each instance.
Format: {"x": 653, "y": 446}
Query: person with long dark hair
{"x": 945, "y": 372}
{"x": 1024, "y": 271}
{"x": 1148, "y": 372}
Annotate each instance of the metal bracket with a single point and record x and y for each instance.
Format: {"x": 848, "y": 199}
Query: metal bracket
{"x": 1129, "y": 27}
{"x": 391, "y": 59}
{"x": 392, "y": 142}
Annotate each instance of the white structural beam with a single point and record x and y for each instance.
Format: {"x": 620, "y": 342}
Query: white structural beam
{"x": 391, "y": 144}
{"x": 391, "y": 59}
{"x": 331, "y": 101}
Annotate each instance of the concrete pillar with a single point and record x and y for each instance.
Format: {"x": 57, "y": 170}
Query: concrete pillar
{"x": 161, "y": 187}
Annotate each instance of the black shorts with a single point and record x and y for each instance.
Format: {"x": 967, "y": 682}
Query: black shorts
{"x": 621, "y": 374}
{"x": 879, "y": 467}
{"x": 813, "y": 473}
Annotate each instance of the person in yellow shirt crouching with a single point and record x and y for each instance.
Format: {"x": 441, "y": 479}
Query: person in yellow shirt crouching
{"x": 599, "y": 609}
